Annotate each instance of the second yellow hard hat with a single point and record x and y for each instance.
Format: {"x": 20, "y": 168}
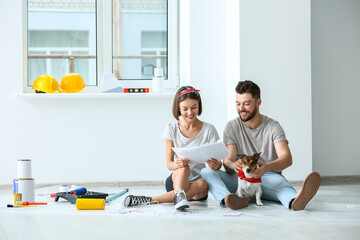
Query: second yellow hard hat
{"x": 72, "y": 83}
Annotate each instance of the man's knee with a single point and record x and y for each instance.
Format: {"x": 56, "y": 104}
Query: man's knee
{"x": 276, "y": 181}
{"x": 206, "y": 172}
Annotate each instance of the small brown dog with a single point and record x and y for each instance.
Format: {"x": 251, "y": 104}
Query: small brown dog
{"x": 247, "y": 185}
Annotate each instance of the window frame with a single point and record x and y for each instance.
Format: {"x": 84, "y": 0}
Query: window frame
{"x": 104, "y": 49}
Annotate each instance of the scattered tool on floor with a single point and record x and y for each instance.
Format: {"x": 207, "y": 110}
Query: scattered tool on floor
{"x": 79, "y": 191}
{"x": 17, "y": 206}
{"x": 72, "y": 198}
{"x": 87, "y": 200}
{"x": 17, "y": 197}
{"x": 90, "y": 204}
{"x": 26, "y": 203}
{"x": 109, "y": 199}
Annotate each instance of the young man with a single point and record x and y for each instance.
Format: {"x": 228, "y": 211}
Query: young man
{"x": 252, "y": 133}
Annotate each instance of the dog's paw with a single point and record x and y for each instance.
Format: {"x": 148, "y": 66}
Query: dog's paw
{"x": 259, "y": 203}
{"x": 239, "y": 193}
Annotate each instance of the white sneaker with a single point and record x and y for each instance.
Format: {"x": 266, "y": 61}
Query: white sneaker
{"x": 131, "y": 201}
{"x": 180, "y": 200}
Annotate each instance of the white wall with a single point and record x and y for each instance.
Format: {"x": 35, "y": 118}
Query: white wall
{"x": 336, "y": 86}
{"x": 208, "y": 58}
{"x": 87, "y": 140}
{"x": 275, "y": 53}
{"x": 74, "y": 140}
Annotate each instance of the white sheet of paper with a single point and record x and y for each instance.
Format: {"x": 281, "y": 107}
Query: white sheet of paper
{"x": 200, "y": 154}
{"x": 232, "y": 213}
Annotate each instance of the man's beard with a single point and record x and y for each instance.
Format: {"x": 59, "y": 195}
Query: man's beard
{"x": 251, "y": 116}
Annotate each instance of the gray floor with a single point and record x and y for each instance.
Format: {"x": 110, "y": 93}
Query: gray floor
{"x": 334, "y": 213}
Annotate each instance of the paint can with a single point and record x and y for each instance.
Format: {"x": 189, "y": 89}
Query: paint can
{"x": 64, "y": 188}
{"x": 73, "y": 187}
{"x": 24, "y": 168}
{"x": 25, "y": 186}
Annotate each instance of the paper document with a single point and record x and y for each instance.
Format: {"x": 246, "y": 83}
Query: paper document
{"x": 200, "y": 154}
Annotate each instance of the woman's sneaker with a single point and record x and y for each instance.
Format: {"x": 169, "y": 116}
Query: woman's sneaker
{"x": 132, "y": 200}
{"x": 180, "y": 200}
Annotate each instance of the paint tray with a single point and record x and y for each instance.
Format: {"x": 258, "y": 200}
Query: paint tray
{"x": 72, "y": 198}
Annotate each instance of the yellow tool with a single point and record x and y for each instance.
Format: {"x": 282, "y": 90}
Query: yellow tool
{"x": 17, "y": 197}
{"x": 90, "y": 204}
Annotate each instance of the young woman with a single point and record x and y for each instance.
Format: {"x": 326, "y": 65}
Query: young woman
{"x": 184, "y": 182}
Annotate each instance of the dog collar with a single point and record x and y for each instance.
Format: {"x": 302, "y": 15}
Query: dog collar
{"x": 241, "y": 175}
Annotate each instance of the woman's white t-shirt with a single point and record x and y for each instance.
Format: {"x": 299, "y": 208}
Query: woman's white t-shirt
{"x": 207, "y": 134}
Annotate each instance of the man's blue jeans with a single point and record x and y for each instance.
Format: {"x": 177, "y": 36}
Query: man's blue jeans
{"x": 274, "y": 186}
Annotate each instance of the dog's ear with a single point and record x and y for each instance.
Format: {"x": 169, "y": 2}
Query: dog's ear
{"x": 241, "y": 157}
{"x": 257, "y": 156}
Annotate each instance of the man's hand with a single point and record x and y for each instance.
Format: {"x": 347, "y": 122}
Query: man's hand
{"x": 214, "y": 164}
{"x": 258, "y": 173}
{"x": 237, "y": 166}
{"x": 181, "y": 162}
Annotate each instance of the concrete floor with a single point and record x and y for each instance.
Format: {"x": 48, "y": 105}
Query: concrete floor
{"x": 334, "y": 213}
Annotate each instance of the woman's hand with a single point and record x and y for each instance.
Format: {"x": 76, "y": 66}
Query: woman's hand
{"x": 214, "y": 164}
{"x": 181, "y": 162}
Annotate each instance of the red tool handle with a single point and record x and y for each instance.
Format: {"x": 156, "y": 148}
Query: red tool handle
{"x": 32, "y": 203}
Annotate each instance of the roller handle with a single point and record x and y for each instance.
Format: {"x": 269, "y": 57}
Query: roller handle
{"x": 109, "y": 199}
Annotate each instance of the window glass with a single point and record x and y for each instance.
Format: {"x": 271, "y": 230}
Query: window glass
{"x": 139, "y": 38}
{"x": 62, "y": 39}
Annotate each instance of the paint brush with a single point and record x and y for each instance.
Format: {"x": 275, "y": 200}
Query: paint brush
{"x": 17, "y": 206}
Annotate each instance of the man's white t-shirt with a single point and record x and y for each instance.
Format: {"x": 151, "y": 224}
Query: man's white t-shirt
{"x": 250, "y": 141}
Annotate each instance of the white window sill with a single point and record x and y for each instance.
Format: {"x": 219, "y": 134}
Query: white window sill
{"x": 94, "y": 95}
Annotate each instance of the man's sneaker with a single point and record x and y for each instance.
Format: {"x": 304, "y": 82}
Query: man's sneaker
{"x": 309, "y": 188}
{"x": 132, "y": 200}
{"x": 235, "y": 202}
{"x": 180, "y": 200}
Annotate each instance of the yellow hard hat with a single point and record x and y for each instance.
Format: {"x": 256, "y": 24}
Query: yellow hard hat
{"x": 46, "y": 83}
{"x": 72, "y": 83}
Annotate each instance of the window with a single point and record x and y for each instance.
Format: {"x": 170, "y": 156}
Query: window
{"x": 58, "y": 44}
{"x": 153, "y": 44}
{"x": 128, "y": 37}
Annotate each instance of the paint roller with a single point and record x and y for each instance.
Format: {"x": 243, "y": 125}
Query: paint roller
{"x": 95, "y": 203}
{"x": 79, "y": 191}
{"x": 90, "y": 204}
